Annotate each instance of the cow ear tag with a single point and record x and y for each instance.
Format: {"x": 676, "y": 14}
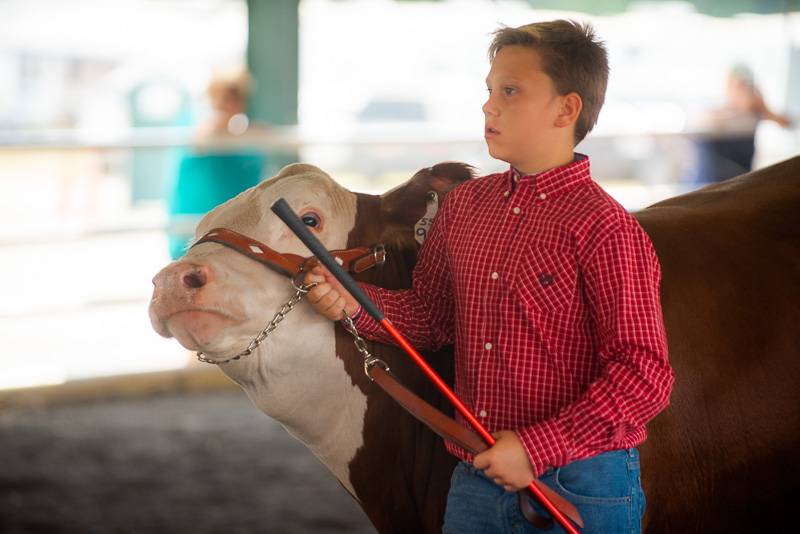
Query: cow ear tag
{"x": 424, "y": 224}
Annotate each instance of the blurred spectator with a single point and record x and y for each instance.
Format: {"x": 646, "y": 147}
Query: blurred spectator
{"x": 228, "y": 92}
{"x": 727, "y": 149}
{"x": 217, "y": 168}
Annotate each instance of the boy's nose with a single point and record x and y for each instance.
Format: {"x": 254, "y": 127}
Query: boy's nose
{"x": 489, "y": 108}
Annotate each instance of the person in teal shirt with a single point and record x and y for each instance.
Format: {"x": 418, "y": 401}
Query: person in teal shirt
{"x": 207, "y": 177}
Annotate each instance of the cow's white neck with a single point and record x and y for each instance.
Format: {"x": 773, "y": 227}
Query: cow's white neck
{"x": 305, "y": 387}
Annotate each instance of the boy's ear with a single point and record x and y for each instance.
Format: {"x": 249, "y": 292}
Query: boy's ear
{"x": 570, "y": 110}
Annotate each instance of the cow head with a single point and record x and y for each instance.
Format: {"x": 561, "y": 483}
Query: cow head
{"x": 215, "y": 299}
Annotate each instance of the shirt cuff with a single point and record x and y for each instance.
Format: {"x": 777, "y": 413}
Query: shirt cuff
{"x": 545, "y": 444}
{"x": 358, "y": 313}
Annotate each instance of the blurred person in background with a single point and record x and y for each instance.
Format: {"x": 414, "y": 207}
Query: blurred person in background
{"x": 727, "y": 149}
{"x": 228, "y": 92}
{"x": 218, "y": 166}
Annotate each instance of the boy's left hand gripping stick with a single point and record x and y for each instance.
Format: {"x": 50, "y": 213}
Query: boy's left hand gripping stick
{"x": 281, "y": 209}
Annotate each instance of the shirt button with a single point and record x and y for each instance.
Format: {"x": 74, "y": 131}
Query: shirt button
{"x": 516, "y": 210}
{"x": 488, "y": 346}
{"x": 495, "y": 276}
{"x": 542, "y": 196}
{"x": 505, "y": 193}
{"x": 482, "y": 413}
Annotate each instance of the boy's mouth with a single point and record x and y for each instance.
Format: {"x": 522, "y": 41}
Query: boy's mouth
{"x": 490, "y": 132}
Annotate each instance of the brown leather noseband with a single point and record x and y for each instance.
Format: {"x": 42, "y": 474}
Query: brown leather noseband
{"x": 354, "y": 260}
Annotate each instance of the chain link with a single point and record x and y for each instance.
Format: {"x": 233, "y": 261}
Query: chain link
{"x": 361, "y": 346}
{"x": 300, "y": 292}
{"x": 280, "y": 315}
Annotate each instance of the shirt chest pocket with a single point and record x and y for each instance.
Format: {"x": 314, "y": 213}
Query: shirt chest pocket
{"x": 547, "y": 279}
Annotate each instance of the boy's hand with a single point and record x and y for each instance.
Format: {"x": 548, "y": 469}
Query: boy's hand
{"x": 506, "y": 462}
{"x": 329, "y": 297}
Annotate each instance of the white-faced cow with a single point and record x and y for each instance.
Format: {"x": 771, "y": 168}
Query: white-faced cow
{"x": 719, "y": 459}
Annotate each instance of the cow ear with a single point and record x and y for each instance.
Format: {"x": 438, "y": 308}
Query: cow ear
{"x": 409, "y": 203}
{"x": 299, "y": 168}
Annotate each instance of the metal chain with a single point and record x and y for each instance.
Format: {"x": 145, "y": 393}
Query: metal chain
{"x": 361, "y": 346}
{"x": 300, "y": 292}
{"x": 280, "y": 315}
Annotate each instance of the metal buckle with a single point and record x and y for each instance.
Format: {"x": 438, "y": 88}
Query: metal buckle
{"x": 370, "y": 362}
{"x": 379, "y": 253}
{"x": 302, "y": 288}
{"x": 361, "y": 346}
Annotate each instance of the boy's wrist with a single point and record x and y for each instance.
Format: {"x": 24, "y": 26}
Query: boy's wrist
{"x": 544, "y": 444}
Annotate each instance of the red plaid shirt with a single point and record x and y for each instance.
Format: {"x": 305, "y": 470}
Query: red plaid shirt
{"x": 550, "y": 291}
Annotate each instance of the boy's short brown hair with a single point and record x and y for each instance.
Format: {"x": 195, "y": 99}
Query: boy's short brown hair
{"x": 573, "y": 58}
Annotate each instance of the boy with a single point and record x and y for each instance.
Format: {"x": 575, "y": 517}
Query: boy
{"x": 549, "y": 290}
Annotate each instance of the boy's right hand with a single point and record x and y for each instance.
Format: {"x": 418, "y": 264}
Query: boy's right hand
{"x": 329, "y": 297}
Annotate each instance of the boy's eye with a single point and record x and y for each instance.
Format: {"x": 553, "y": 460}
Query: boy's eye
{"x": 509, "y": 90}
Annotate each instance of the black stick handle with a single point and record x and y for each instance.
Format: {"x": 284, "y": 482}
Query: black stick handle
{"x": 281, "y": 209}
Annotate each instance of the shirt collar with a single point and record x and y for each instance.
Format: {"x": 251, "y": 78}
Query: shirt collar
{"x": 554, "y": 180}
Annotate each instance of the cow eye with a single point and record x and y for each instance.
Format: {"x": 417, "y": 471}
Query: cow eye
{"x": 311, "y": 219}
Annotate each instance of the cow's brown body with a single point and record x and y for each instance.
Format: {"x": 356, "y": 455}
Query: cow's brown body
{"x": 721, "y": 458}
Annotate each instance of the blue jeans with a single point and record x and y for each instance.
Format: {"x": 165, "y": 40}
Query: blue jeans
{"x": 606, "y": 489}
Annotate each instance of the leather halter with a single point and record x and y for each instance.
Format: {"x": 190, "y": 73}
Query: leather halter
{"x": 354, "y": 260}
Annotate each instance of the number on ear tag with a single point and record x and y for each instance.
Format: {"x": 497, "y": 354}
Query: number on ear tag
{"x": 424, "y": 224}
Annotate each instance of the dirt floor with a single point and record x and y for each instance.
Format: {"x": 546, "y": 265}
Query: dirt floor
{"x": 185, "y": 463}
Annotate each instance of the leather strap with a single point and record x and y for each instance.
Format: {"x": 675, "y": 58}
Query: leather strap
{"x": 451, "y": 430}
{"x": 354, "y": 260}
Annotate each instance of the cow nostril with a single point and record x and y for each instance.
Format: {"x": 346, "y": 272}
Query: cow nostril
{"x": 194, "y": 280}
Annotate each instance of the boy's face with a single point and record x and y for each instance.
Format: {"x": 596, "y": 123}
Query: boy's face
{"x": 522, "y": 109}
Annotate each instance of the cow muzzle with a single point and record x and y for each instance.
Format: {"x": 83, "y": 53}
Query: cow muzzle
{"x": 184, "y": 305}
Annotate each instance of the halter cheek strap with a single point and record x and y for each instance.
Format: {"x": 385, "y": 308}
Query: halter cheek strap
{"x": 354, "y": 260}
